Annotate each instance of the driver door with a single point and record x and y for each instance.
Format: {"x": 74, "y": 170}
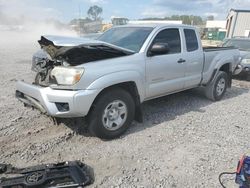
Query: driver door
{"x": 166, "y": 73}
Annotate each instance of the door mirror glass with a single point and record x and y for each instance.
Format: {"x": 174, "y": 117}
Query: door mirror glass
{"x": 159, "y": 49}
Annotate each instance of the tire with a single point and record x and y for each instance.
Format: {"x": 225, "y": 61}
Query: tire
{"x": 216, "y": 90}
{"x": 111, "y": 114}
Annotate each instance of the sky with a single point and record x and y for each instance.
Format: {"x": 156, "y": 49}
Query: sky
{"x": 66, "y": 10}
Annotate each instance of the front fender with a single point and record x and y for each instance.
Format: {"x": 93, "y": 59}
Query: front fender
{"x": 120, "y": 77}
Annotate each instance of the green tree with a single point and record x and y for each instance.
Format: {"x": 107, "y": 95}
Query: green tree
{"x": 94, "y": 12}
{"x": 210, "y": 17}
{"x": 175, "y": 17}
{"x": 80, "y": 21}
{"x": 186, "y": 19}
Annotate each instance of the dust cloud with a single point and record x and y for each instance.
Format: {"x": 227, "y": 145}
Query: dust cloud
{"x": 18, "y": 30}
{"x": 30, "y": 32}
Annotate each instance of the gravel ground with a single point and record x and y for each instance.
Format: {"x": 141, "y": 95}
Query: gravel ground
{"x": 185, "y": 140}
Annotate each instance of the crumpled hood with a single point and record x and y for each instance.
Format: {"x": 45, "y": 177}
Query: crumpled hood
{"x": 57, "y": 46}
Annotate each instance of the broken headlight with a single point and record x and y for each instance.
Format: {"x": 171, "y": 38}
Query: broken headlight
{"x": 66, "y": 75}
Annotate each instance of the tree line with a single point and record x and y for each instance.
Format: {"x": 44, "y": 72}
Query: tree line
{"x": 94, "y": 14}
{"x": 186, "y": 19}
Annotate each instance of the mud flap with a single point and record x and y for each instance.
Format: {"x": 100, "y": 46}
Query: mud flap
{"x": 138, "y": 114}
{"x": 230, "y": 77}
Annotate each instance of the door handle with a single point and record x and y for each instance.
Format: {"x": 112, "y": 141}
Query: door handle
{"x": 181, "y": 61}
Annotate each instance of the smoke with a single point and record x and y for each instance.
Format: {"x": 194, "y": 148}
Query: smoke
{"x": 23, "y": 23}
{"x": 30, "y": 32}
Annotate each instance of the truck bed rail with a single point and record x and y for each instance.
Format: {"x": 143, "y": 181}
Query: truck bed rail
{"x": 212, "y": 48}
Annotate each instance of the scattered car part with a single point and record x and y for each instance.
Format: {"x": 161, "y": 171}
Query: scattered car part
{"x": 60, "y": 175}
{"x": 242, "y": 173}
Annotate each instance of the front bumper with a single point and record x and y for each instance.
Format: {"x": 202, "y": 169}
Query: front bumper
{"x": 245, "y": 71}
{"x": 56, "y": 103}
{"x": 237, "y": 70}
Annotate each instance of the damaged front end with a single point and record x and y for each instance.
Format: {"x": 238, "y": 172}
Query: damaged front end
{"x": 70, "y": 52}
{"x": 53, "y": 91}
{"x": 42, "y": 64}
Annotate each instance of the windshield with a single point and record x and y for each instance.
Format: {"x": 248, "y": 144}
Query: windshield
{"x": 241, "y": 44}
{"x": 131, "y": 38}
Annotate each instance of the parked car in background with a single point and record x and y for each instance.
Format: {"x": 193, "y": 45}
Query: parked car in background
{"x": 243, "y": 44}
{"x": 108, "y": 79}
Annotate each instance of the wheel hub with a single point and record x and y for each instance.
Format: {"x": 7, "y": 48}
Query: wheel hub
{"x": 114, "y": 115}
{"x": 221, "y": 86}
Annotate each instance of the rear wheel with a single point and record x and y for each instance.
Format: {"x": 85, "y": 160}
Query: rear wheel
{"x": 112, "y": 113}
{"x": 216, "y": 90}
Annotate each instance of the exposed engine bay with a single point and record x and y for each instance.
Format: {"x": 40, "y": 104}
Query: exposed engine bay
{"x": 62, "y": 51}
{"x": 43, "y": 64}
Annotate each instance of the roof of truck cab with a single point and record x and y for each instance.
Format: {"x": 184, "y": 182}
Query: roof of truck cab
{"x": 153, "y": 25}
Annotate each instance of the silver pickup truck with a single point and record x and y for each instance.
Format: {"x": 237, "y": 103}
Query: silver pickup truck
{"x": 107, "y": 79}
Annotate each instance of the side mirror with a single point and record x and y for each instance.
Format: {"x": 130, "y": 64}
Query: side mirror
{"x": 159, "y": 49}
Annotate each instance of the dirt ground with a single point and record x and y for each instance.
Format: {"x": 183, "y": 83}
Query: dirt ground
{"x": 185, "y": 140}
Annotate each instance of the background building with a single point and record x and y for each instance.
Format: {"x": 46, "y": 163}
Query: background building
{"x": 238, "y": 23}
{"x": 219, "y": 24}
{"x": 215, "y": 30}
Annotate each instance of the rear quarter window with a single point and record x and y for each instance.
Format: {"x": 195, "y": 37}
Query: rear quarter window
{"x": 191, "y": 40}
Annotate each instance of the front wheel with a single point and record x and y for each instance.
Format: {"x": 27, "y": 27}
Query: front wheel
{"x": 112, "y": 113}
{"x": 216, "y": 90}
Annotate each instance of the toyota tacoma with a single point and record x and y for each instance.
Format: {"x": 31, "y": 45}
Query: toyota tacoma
{"x": 107, "y": 79}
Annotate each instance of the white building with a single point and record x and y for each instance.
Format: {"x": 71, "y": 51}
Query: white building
{"x": 219, "y": 24}
{"x": 238, "y": 23}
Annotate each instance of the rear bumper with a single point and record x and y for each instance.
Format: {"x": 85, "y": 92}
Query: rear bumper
{"x": 56, "y": 103}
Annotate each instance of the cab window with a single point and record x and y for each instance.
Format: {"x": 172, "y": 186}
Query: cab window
{"x": 172, "y": 38}
{"x": 191, "y": 40}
